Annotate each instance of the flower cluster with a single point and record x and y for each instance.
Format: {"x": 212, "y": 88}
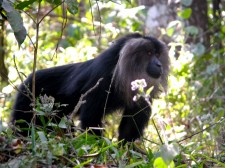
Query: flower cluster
{"x": 138, "y": 84}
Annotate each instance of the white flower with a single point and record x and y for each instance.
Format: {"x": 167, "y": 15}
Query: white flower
{"x": 135, "y": 98}
{"x": 138, "y": 84}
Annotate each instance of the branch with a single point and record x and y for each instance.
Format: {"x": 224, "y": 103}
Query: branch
{"x": 218, "y": 122}
{"x": 81, "y": 101}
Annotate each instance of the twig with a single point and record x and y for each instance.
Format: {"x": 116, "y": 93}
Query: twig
{"x": 81, "y": 101}
{"x": 100, "y": 21}
{"x": 202, "y": 130}
{"x": 157, "y": 131}
{"x": 49, "y": 12}
{"x": 28, "y": 90}
{"x": 91, "y": 155}
{"x": 35, "y": 60}
{"x": 108, "y": 92}
{"x": 68, "y": 160}
{"x": 31, "y": 41}
{"x": 64, "y": 22}
{"x": 29, "y": 16}
{"x": 92, "y": 16}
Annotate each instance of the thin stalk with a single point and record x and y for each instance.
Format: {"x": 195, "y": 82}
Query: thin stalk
{"x": 35, "y": 60}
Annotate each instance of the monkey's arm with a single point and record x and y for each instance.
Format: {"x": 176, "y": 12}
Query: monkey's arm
{"x": 134, "y": 121}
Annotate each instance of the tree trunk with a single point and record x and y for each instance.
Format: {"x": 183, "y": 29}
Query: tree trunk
{"x": 3, "y": 69}
{"x": 159, "y": 14}
{"x": 217, "y": 18}
{"x": 199, "y": 19}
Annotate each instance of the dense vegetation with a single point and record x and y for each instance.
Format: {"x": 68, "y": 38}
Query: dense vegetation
{"x": 187, "y": 125}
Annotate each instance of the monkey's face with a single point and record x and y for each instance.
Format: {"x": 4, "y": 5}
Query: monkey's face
{"x": 157, "y": 58}
{"x": 146, "y": 55}
{"x": 154, "y": 67}
{"x": 142, "y": 58}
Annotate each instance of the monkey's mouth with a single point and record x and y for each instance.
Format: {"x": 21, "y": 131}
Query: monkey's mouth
{"x": 155, "y": 72}
{"x": 156, "y": 76}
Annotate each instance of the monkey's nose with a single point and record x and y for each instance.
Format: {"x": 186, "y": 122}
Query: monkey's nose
{"x": 158, "y": 64}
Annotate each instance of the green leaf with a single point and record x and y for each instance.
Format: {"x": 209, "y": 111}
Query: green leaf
{"x": 192, "y": 30}
{"x": 21, "y": 121}
{"x": 24, "y": 4}
{"x": 72, "y": 6}
{"x": 42, "y": 136}
{"x": 198, "y": 49}
{"x": 7, "y": 6}
{"x": 21, "y": 35}
{"x": 135, "y": 164}
{"x": 58, "y": 149}
{"x": 54, "y": 2}
{"x": 223, "y": 29}
{"x": 149, "y": 90}
{"x": 211, "y": 69}
{"x": 62, "y": 123}
{"x": 186, "y": 13}
{"x": 159, "y": 163}
{"x": 172, "y": 27}
{"x": 15, "y": 21}
{"x": 170, "y": 31}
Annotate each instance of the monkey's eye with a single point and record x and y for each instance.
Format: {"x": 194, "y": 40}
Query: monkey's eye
{"x": 149, "y": 53}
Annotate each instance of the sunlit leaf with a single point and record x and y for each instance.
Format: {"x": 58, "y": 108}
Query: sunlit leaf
{"x": 170, "y": 31}
{"x": 223, "y": 29}
{"x": 172, "y": 27}
{"x": 186, "y": 13}
{"x": 159, "y": 163}
{"x": 149, "y": 90}
{"x": 24, "y": 4}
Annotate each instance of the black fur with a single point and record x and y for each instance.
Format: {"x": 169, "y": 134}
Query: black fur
{"x": 67, "y": 83}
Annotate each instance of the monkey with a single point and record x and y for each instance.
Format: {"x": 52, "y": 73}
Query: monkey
{"x": 133, "y": 56}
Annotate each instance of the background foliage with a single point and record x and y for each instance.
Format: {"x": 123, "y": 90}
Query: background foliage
{"x": 190, "y": 118}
